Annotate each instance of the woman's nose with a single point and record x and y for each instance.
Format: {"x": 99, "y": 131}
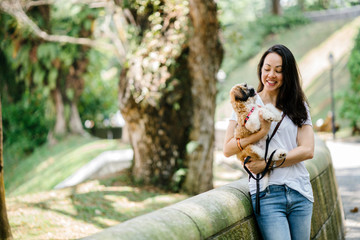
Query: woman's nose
{"x": 271, "y": 74}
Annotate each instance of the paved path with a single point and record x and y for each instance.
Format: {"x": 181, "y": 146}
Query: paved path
{"x": 346, "y": 161}
{"x": 104, "y": 165}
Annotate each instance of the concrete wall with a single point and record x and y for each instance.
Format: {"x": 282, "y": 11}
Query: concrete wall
{"x": 226, "y": 212}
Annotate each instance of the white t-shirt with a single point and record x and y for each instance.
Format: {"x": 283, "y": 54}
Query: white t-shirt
{"x": 295, "y": 176}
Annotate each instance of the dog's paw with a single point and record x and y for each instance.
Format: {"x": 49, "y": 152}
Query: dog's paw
{"x": 280, "y": 154}
{"x": 272, "y": 114}
{"x": 252, "y": 126}
{"x": 269, "y": 116}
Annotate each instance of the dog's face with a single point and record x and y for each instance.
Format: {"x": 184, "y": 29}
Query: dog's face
{"x": 241, "y": 93}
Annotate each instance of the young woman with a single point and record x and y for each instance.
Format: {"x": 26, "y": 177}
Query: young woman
{"x": 286, "y": 204}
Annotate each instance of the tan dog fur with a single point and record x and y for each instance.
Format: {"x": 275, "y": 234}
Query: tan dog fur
{"x": 243, "y": 99}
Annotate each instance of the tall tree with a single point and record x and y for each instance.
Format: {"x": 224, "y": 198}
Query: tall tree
{"x": 167, "y": 86}
{"x": 276, "y": 7}
{"x": 5, "y": 230}
{"x": 41, "y": 63}
{"x": 167, "y": 92}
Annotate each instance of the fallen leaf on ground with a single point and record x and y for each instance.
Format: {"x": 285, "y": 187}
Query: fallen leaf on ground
{"x": 354, "y": 210}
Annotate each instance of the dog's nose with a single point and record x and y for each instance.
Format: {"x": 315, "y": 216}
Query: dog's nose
{"x": 245, "y": 85}
{"x": 252, "y": 91}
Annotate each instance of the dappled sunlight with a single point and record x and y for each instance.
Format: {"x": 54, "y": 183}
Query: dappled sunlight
{"x": 34, "y": 216}
{"x": 83, "y": 210}
{"x": 226, "y": 170}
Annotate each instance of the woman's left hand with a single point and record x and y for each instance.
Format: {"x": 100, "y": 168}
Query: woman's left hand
{"x": 256, "y": 165}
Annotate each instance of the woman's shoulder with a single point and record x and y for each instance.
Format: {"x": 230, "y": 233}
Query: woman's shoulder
{"x": 259, "y": 100}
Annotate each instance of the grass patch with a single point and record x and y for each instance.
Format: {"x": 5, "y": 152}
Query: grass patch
{"x": 85, "y": 209}
{"x": 320, "y": 98}
{"x": 302, "y": 39}
{"x": 48, "y": 166}
{"x": 318, "y": 91}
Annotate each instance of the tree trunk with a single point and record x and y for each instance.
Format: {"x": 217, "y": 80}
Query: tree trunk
{"x": 324, "y": 3}
{"x": 60, "y": 124}
{"x": 276, "y": 7}
{"x": 158, "y": 132}
{"x": 301, "y": 5}
{"x": 5, "y": 230}
{"x": 75, "y": 121}
{"x": 75, "y": 81}
{"x": 205, "y": 57}
{"x": 167, "y": 96}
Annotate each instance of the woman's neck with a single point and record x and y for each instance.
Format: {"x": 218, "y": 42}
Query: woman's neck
{"x": 268, "y": 98}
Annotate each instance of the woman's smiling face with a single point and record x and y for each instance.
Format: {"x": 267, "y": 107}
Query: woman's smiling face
{"x": 271, "y": 72}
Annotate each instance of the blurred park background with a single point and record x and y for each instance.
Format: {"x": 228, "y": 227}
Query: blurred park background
{"x": 80, "y": 78}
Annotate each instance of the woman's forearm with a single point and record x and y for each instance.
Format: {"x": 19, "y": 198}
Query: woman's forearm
{"x": 305, "y": 148}
{"x": 231, "y": 147}
{"x": 297, "y": 155}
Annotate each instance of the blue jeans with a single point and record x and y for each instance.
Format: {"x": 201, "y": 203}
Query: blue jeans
{"x": 284, "y": 214}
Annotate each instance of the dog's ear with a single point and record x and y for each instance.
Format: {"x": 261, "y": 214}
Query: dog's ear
{"x": 240, "y": 95}
{"x": 241, "y": 99}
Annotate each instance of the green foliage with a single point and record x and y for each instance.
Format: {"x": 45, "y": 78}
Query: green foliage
{"x": 178, "y": 179}
{"x": 162, "y": 43}
{"x": 32, "y": 65}
{"x": 351, "y": 97}
{"x": 99, "y": 99}
{"x": 24, "y": 126}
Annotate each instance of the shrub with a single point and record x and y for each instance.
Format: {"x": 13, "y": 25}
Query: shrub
{"x": 24, "y": 125}
{"x": 351, "y": 97}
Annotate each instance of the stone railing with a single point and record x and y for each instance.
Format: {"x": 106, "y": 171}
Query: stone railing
{"x": 333, "y": 14}
{"x": 226, "y": 212}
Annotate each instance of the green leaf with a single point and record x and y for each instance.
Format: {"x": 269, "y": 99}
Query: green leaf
{"x": 70, "y": 93}
{"x": 39, "y": 76}
{"x": 52, "y": 78}
{"x": 87, "y": 24}
{"x": 191, "y": 146}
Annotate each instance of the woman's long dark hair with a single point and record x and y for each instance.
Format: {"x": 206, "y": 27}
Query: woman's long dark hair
{"x": 291, "y": 98}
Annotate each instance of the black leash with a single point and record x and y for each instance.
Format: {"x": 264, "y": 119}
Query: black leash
{"x": 259, "y": 176}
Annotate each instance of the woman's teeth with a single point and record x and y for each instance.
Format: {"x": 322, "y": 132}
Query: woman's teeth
{"x": 271, "y": 82}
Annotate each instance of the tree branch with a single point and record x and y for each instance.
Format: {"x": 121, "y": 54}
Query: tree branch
{"x": 93, "y": 3}
{"x": 15, "y": 8}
